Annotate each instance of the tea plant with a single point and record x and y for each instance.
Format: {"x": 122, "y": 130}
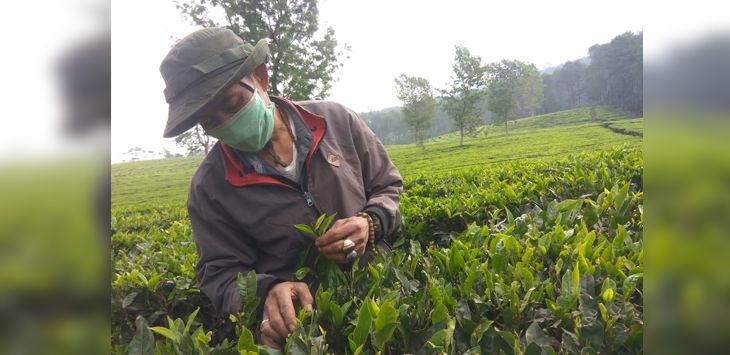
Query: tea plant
{"x": 518, "y": 258}
{"x": 319, "y": 227}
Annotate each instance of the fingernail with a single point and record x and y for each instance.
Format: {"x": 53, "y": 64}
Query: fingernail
{"x": 309, "y": 308}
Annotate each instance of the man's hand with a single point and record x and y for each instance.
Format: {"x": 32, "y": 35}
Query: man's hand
{"x": 333, "y": 243}
{"x": 279, "y": 316}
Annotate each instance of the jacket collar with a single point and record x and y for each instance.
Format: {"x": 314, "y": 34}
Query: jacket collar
{"x": 236, "y": 173}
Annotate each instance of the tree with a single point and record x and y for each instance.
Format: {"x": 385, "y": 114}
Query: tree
{"x": 615, "y": 74}
{"x": 418, "y": 105}
{"x": 502, "y": 103}
{"x": 515, "y": 88}
{"x": 388, "y": 125}
{"x": 302, "y": 67}
{"x": 462, "y": 99}
{"x": 139, "y": 153}
{"x": 565, "y": 88}
{"x": 611, "y": 75}
{"x": 594, "y": 116}
{"x": 503, "y": 79}
{"x": 530, "y": 93}
{"x": 195, "y": 141}
{"x": 168, "y": 154}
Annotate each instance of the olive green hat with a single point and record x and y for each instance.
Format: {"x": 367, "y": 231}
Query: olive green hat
{"x": 201, "y": 66}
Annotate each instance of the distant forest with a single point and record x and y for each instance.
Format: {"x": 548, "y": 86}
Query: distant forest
{"x": 611, "y": 75}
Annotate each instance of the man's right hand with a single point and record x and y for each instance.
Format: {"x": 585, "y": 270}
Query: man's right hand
{"x": 279, "y": 316}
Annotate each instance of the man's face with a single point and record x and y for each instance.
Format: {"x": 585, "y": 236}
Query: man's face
{"x": 228, "y": 103}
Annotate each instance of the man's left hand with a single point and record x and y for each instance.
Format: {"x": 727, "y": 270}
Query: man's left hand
{"x": 333, "y": 243}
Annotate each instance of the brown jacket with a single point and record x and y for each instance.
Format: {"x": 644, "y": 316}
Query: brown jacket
{"x": 243, "y": 214}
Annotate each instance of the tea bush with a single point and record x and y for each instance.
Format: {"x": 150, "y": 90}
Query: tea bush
{"x": 519, "y": 258}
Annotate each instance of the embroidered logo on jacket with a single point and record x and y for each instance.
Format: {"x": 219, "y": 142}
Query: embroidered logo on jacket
{"x": 333, "y": 159}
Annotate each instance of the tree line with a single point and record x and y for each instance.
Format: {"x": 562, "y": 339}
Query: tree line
{"x": 304, "y": 64}
{"x": 611, "y": 75}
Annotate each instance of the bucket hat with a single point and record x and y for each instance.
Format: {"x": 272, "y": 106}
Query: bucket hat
{"x": 200, "y": 67}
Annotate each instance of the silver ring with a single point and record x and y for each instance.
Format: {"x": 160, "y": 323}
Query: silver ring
{"x": 262, "y": 323}
{"x": 351, "y": 255}
{"x": 347, "y": 243}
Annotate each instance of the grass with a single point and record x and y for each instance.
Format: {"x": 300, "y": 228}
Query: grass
{"x": 152, "y": 181}
{"x": 552, "y": 135}
{"x": 513, "y": 209}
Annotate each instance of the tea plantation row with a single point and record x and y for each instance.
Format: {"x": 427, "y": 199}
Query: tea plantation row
{"x": 516, "y": 258}
{"x": 550, "y": 136}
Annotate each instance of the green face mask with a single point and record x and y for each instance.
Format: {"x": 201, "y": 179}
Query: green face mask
{"x": 250, "y": 128}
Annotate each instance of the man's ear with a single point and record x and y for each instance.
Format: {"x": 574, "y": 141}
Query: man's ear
{"x": 261, "y": 73}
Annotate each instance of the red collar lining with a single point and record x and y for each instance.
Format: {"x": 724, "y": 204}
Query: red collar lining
{"x": 237, "y": 176}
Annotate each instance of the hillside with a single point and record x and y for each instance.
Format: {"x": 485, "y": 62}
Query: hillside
{"x": 527, "y": 242}
{"x": 546, "y": 136}
{"x": 552, "y": 135}
{"x": 519, "y": 257}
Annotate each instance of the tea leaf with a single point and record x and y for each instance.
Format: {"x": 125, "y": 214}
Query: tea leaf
{"x": 128, "y": 299}
{"x": 440, "y": 314}
{"x": 167, "y": 333}
{"x": 143, "y": 342}
{"x": 319, "y": 223}
{"x": 362, "y": 329}
{"x": 385, "y": 324}
{"x": 246, "y": 343}
{"x": 306, "y": 229}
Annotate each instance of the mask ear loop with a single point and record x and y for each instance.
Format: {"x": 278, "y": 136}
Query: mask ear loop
{"x": 250, "y": 88}
{"x": 247, "y": 86}
{"x": 253, "y": 98}
{"x": 269, "y": 146}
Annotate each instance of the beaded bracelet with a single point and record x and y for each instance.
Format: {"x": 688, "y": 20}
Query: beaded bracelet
{"x": 371, "y": 231}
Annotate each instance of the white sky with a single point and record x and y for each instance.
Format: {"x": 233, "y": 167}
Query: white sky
{"x": 387, "y": 38}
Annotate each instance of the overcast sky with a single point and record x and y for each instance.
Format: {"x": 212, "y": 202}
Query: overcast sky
{"x": 387, "y": 38}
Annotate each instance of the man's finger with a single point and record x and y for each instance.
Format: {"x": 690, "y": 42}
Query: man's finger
{"x": 301, "y": 291}
{"x": 275, "y": 319}
{"x": 337, "y": 247}
{"x": 339, "y": 222}
{"x": 329, "y": 236}
{"x": 335, "y": 234}
{"x": 337, "y": 257}
{"x": 357, "y": 237}
{"x": 361, "y": 249}
{"x": 268, "y": 331}
{"x": 269, "y": 342}
{"x": 286, "y": 308}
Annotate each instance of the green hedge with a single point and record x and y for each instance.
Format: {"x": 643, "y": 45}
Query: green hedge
{"x": 544, "y": 256}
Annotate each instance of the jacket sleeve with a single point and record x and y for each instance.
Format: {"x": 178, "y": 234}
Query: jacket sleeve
{"x": 223, "y": 252}
{"x": 382, "y": 181}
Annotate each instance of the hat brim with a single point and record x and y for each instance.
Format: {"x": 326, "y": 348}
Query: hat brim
{"x": 182, "y": 110}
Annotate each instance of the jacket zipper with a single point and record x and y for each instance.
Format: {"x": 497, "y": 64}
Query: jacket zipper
{"x": 304, "y": 189}
{"x": 307, "y": 196}
{"x": 310, "y": 200}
